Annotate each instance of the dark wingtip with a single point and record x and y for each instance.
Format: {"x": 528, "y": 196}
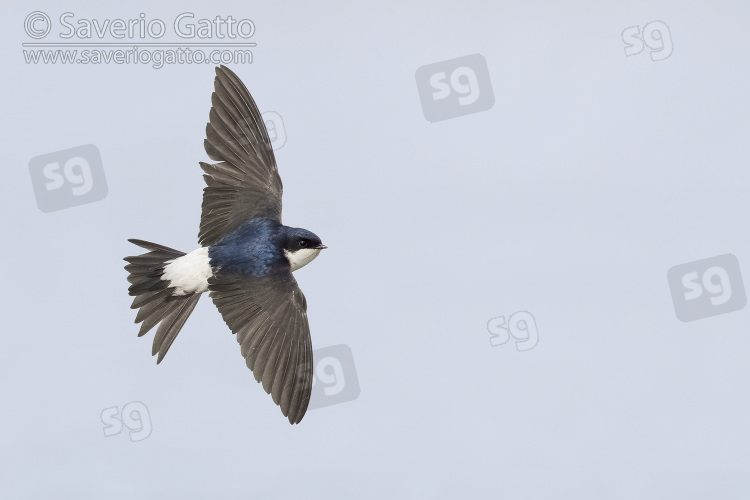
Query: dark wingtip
{"x": 295, "y": 417}
{"x": 224, "y": 72}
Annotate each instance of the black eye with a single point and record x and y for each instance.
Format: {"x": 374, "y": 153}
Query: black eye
{"x": 302, "y": 243}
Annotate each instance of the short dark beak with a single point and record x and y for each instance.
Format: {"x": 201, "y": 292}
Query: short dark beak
{"x": 320, "y": 247}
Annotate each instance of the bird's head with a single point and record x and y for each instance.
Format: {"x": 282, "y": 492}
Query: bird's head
{"x": 301, "y": 247}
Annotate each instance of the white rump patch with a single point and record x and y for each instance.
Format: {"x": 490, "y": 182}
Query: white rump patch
{"x": 301, "y": 257}
{"x": 189, "y": 273}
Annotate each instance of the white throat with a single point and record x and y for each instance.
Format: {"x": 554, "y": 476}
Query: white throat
{"x": 301, "y": 257}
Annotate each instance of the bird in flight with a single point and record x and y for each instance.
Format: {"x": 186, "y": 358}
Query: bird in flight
{"x": 245, "y": 260}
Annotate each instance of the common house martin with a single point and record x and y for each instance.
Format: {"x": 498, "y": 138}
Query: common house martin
{"x": 245, "y": 260}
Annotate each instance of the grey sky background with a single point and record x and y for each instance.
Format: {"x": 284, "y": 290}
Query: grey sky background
{"x": 593, "y": 174}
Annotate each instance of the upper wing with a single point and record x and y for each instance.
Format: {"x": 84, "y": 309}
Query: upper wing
{"x": 246, "y": 183}
{"x": 269, "y": 316}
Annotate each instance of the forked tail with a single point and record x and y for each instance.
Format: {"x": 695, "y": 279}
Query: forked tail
{"x": 155, "y": 299}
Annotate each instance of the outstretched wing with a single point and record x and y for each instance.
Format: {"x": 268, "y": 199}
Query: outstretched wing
{"x": 245, "y": 184}
{"x": 269, "y": 316}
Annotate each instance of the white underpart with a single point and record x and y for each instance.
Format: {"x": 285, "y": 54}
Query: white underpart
{"x": 301, "y": 257}
{"x": 189, "y": 273}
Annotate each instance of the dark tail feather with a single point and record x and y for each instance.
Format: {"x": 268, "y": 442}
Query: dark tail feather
{"x": 154, "y": 297}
